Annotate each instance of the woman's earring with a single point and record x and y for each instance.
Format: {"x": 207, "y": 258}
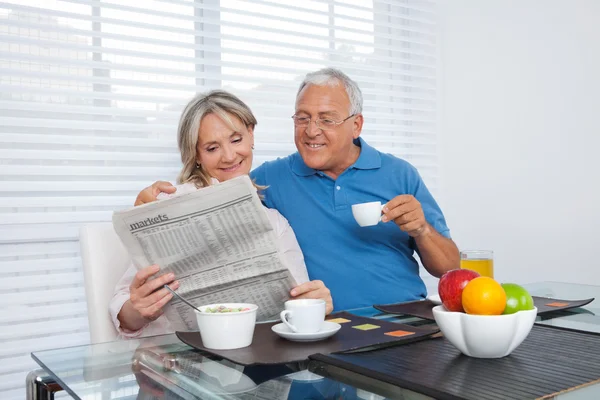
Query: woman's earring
{"x": 252, "y": 147}
{"x": 197, "y": 165}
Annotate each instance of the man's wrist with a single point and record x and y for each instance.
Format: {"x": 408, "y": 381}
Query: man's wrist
{"x": 422, "y": 232}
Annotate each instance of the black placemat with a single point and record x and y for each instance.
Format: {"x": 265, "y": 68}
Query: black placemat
{"x": 268, "y": 348}
{"x": 422, "y": 308}
{"x": 550, "y": 361}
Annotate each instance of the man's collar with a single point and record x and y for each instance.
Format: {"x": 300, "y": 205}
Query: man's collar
{"x": 300, "y": 168}
{"x": 369, "y": 158}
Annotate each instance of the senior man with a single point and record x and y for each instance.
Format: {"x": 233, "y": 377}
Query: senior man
{"x": 315, "y": 188}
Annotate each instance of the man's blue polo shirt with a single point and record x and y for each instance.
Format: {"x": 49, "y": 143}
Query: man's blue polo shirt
{"x": 361, "y": 266}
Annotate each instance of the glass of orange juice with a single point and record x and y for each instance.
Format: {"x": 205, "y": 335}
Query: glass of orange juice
{"x": 481, "y": 261}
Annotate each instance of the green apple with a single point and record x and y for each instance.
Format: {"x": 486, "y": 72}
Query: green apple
{"x": 517, "y": 298}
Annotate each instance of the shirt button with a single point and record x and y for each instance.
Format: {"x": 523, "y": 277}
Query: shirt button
{"x": 338, "y": 187}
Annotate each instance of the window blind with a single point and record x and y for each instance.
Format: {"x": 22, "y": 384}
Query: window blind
{"x": 91, "y": 92}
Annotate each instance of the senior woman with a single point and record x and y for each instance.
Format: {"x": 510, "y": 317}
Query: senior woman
{"x": 216, "y": 139}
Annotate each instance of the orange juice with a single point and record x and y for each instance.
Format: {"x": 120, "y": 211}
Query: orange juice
{"x": 485, "y": 267}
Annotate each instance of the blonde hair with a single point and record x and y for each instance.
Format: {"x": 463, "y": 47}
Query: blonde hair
{"x": 218, "y": 102}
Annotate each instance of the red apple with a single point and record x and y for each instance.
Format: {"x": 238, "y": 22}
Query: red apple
{"x": 451, "y": 286}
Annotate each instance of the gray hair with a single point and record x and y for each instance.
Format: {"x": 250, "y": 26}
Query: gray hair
{"x": 219, "y": 102}
{"x": 333, "y": 77}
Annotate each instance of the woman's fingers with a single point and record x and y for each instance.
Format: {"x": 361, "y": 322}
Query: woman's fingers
{"x": 155, "y": 310}
{"x": 160, "y": 294}
{"x": 149, "y": 194}
{"x": 314, "y": 290}
{"x": 152, "y": 285}
{"x": 151, "y": 307}
{"x": 148, "y": 295}
{"x": 307, "y": 287}
{"x": 142, "y": 276}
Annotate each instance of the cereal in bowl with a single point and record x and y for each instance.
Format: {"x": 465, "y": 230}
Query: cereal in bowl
{"x": 223, "y": 309}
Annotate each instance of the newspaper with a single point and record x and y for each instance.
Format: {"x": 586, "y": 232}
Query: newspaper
{"x": 218, "y": 242}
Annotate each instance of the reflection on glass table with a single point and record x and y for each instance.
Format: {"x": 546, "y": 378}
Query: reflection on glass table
{"x": 162, "y": 367}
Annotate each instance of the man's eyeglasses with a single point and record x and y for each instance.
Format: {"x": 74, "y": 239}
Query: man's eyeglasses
{"x": 322, "y": 123}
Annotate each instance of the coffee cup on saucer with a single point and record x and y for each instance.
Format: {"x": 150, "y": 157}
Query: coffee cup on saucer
{"x": 304, "y": 315}
{"x": 303, "y": 320}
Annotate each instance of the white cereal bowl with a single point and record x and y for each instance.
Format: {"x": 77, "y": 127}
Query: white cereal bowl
{"x": 484, "y": 336}
{"x": 227, "y": 331}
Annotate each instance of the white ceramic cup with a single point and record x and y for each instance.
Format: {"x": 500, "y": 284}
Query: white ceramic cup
{"x": 367, "y": 214}
{"x": 304, "y": 315}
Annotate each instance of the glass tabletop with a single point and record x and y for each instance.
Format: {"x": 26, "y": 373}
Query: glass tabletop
{"x": 163, "y": 367}
{"x": 584, "y": 318}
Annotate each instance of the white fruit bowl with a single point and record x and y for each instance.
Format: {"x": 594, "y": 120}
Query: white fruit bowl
{"x": 226, "y": 331}
{"x": 484, "y": 336}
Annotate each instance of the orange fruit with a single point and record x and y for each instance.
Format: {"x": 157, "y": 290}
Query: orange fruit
{"x": 484, "y": 296}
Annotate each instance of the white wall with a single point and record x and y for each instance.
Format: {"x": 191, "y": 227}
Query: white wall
{"x": 520, "y": 132}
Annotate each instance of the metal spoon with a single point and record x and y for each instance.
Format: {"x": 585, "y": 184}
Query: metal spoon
{"x": 181, "y": 298}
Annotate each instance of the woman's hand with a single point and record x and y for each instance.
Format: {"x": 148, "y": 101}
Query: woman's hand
{"x": 144, "y": 296}
{"x": 314, "y": 290}
{"x": 147, "y": 298}
{"x": 149, "y": 194}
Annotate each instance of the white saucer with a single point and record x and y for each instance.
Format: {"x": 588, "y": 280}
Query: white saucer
{"x": 328, "y": 329}
{"x": 435, "y": 299}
